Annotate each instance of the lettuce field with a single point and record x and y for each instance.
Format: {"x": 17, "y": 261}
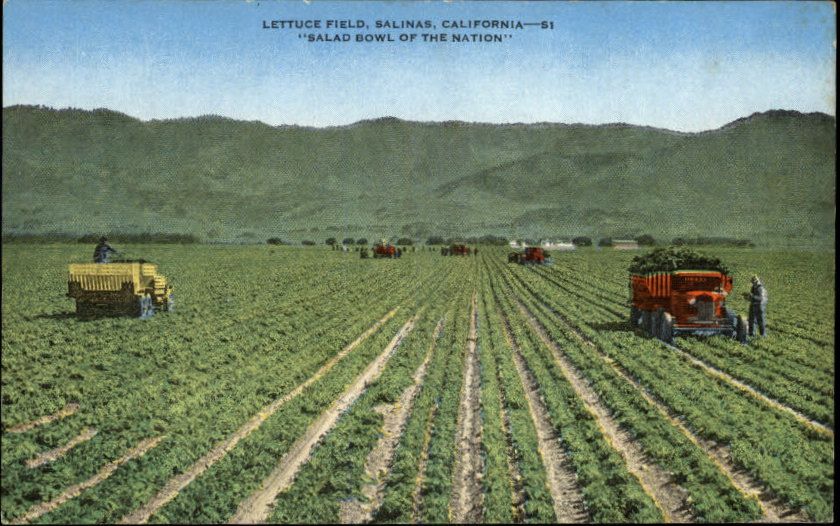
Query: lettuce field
{"x": 308, "y": 385}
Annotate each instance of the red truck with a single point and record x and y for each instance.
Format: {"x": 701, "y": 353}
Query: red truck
{"x": 459, "y": 250}
{"x": 531, "y": 256}
{"x": 384, "y": 250}
{"x": 666, "y": 304}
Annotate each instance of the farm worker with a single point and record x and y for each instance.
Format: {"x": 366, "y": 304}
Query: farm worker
{"x": 758, "y": 307}
{"x": 475, "y": 251}
{"x": 102, "y": 251}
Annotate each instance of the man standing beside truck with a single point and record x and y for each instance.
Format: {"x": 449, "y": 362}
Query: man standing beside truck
{"x": 758, "y": 307}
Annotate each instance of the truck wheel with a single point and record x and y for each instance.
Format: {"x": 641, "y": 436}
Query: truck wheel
{"x": 634, "y": 317}
{"x": 646, "y": 321}
{"x": 730, "y": 316}
{"x": 655, "y": 322}
{"x": 741, "y": 330}
{"x": 666, "y": 328}
{"x": 83, "y": 309}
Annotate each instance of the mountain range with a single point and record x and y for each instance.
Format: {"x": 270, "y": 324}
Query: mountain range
{"x": 769, "y": 177}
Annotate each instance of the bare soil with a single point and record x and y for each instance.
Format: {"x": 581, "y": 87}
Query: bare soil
{"x": 64, "y": 412}
{"x": 55, "y": 454}
{"x": 773, "y": 509}
{"x": 738, "y": 384}
{"x": 75, "y": 490}
{"x": 378, "y": 462}
{"x": 467, "y": 493}
{"x": 177, "y": 483}
{"x": 256, "y": 508}
{"x": 516, "y": 486}
{"x": 417, "y": 498}
{"x": 755, "y": 393}
{"x": 568, "y": 501}
{"x": 669, "y": 497}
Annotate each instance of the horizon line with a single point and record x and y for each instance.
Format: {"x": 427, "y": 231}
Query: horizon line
{"x": 392, "y": 118}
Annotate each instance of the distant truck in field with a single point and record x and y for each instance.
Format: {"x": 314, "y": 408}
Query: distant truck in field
{"x": 127, "y": 288}
{"x": 531, "y": 256}
{"x": 384, "y": 250}
{"x": 456, "y": 250}
{"x": 674, "y": 301}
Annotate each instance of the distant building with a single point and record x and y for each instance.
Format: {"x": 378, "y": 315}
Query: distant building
{"x": 625, "y": 244}
{"x": 553, "y": 245}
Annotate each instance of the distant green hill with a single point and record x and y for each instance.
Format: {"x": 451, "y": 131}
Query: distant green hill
{"x": 768, "y": 177}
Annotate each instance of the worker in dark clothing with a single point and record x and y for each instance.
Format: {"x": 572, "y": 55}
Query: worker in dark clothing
{"x": 475, "y": 251}
{"x": 103, "y": 251}
{"x": 758, "y": 307}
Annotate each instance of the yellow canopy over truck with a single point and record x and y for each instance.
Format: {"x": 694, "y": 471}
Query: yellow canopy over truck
{"x": 132, "y": 288}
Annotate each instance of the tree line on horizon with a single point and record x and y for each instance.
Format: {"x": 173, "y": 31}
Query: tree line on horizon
{"x": 489, "y": 239}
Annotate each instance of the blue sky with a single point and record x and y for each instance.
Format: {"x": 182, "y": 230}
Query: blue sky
{"x": 677, "y": 65}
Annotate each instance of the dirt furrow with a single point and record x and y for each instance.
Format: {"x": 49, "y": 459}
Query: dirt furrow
{"x": 64, "y": 412}
{"x": 738, "y": 384}
{"x": 55, "y": 454}
{"x": 176, "y": 484}
{"x": 516, "y": 489}
{"x": 772, "y": 509}
{"x": 755, "y": 393}
{"x": 257, "y": 507}
{"x": 565, "y": 493}
{"x": 467, "y": 494}
{"x": 378, "y": 462}
{"x": 660, "y": 486}
{"x": 76, "y": 490}
{"x": 416, "y": 497}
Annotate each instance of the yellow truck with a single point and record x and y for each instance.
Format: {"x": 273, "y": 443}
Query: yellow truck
{"x": 132, "y": 288}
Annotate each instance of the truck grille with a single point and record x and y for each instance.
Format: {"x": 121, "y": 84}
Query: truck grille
{"x": 705, "y": 311}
